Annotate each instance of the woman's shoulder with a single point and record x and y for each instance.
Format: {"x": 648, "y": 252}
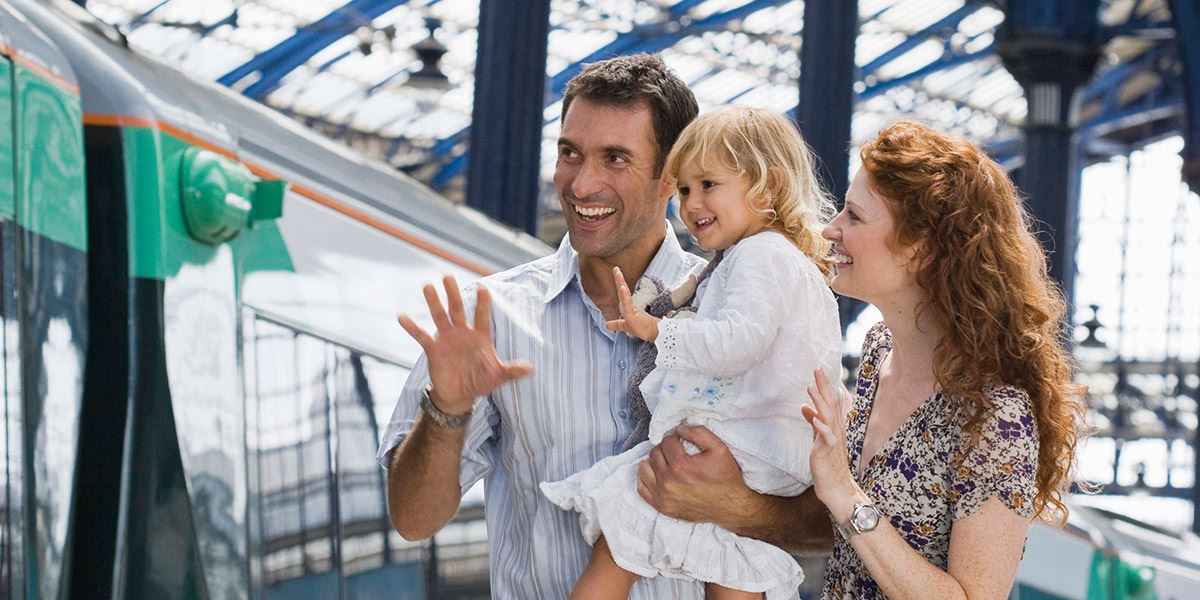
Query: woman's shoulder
{"x": 1008, "y": 401}
{"x": 878, "y": 337}
{"x": 1007, "y": 417}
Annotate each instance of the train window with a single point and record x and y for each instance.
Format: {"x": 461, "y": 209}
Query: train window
{"x": 7, "y": 167}
{"x": 314, "y": 419}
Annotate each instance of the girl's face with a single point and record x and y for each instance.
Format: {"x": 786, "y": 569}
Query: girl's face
{"x": 713, "y": 205}
{"x": 867, "y": 267}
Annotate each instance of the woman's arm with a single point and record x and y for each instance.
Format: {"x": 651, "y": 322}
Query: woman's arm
{"x": 985, "y": 547}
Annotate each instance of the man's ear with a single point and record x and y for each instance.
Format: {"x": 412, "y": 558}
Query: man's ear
{"x": 666, "y": 186}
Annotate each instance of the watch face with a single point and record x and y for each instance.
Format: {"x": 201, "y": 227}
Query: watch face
{"x": 866, "y": 518}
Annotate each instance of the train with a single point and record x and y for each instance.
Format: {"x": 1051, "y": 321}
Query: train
{"x": 200, "y": 353}
{"x": 200, "y": 347}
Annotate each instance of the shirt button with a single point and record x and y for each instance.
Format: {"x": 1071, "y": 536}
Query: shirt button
{"x": 623, "y": 414}
{"x": 621, "y": 364}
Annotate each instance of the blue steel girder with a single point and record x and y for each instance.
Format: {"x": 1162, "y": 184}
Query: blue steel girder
{"x": 274, "y": 64}
{"x": 1186, "y": 15}
{"x": 659, "y": 36}
{"x": 652, "y": 37}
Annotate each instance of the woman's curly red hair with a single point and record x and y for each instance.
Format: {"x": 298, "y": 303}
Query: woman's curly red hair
{"x": 989, "y": 289}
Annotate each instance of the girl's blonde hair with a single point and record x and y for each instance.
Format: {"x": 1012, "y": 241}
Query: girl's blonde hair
{"x": 766, "y": 149}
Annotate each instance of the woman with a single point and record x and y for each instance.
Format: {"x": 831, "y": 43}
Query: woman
{"x": 964, "y": 420}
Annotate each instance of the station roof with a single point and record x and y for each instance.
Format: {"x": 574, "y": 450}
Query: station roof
{"x": 348, "y": 68}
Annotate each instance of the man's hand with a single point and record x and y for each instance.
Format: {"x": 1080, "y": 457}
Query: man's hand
{"x": 705, "y": 487}
{"x": 462, "y": 357}
{"x": 634, "y": 321}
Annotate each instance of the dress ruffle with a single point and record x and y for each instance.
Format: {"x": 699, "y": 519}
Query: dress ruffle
{"x": 650, "y": 544}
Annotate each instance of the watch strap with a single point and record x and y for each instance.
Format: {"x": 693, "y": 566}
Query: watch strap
{"x": 442, "y": 418}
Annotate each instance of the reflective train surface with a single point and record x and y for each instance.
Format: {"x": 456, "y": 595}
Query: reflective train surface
{"x": 199, "y": 337}
{"x": 200, "y": 352}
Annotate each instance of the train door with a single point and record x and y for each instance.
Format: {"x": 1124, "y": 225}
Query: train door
{"x": 45, "y": 306}
{"x": 11, "y": 579}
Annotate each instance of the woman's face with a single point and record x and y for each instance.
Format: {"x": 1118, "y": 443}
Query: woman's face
{"x": 867, "y": 267}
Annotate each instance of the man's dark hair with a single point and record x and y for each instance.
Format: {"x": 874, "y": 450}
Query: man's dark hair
{"x": 628, "y": 80}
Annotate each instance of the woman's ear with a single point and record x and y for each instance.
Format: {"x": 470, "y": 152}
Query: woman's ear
{"x": 918, "y": 257}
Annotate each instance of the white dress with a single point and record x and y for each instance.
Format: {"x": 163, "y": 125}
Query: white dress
{"x": 765, "y": 320}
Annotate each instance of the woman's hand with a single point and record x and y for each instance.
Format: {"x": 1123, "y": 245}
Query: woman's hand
{"x": 830, "y": 458}
{"x": 634, "y": 321}
{"x": 703, "y": 487}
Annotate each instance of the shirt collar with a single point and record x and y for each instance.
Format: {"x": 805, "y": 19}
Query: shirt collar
{"x": 666, "y": 265}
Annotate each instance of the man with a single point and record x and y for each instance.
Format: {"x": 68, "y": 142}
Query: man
{"x": 481, "y": 415}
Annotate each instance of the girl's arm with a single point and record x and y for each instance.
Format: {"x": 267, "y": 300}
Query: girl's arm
{"x": 985, "y": 546}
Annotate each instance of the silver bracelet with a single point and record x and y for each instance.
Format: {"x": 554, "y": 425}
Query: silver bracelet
{"x": 442, "y": 418}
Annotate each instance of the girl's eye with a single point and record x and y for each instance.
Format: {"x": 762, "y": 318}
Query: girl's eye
{"x": 707, "y": 184}
{"x": 683, "y": 191}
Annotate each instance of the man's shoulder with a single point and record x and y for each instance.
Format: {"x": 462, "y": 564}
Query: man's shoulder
{"x": 533, "y": 274}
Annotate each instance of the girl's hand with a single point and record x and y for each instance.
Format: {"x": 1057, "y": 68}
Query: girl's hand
{"x": 830, "y": 459}
{"x": 634, "y": 321}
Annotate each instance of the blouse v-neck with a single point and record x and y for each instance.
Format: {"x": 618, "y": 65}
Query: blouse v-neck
{"x": 870, "y": 394}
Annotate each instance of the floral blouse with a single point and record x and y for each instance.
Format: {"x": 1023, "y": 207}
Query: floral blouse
{"x": 931, "y": 472}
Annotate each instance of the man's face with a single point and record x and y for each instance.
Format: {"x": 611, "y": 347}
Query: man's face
{"x": 605, "y": 180}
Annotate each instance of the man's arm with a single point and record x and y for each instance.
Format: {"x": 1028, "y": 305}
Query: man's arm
{"x": 423, "y": 490}
{"x": 708, "y": 487}
{"x": 423, "y": 472}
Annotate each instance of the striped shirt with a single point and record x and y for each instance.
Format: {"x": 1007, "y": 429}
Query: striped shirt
{"x": 572, "y": 412}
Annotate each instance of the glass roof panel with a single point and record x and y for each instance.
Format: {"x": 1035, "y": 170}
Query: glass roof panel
{"x": 362, "y": 82}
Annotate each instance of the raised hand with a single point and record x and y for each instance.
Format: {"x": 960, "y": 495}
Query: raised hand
{"x": 830, "y": 459}
{"x": 462, "y": 356}
{"x": 634, "y": 321}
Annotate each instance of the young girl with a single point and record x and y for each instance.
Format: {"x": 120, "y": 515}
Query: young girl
{"x": 764, "y": 320}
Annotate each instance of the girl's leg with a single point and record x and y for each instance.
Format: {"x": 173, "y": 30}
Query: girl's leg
{"x": 713, "y": 591}
{"x": 603, "y": 579}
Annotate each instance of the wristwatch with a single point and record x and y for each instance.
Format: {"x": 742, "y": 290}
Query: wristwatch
{"x": 864, "y": 518}
{"x": 441, "y": 418}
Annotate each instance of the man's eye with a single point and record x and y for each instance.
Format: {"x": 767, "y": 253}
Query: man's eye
{"x": 618, "y": 159}
{"x": 565, "y": 152}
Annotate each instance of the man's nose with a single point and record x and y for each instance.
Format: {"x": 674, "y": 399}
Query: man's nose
{"x": 589, "y": 179}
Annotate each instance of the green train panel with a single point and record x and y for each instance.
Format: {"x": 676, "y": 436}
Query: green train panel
{"x": 43, "y": 307}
